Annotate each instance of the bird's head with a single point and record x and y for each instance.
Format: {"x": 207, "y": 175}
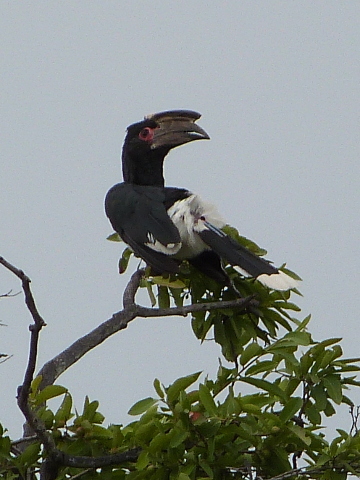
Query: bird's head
{"x": 149, "y": 141}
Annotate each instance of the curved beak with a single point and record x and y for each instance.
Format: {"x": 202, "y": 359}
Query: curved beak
{"x": 176, "y": 127}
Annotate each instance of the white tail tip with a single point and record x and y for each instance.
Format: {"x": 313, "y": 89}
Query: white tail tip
{"x": 278, "y": 281}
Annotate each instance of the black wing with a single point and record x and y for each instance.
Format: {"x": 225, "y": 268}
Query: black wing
{"x": 139, "y": 215}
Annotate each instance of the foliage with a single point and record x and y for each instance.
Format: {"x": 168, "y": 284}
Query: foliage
{"x": 261, "y": 417}
{"x": 215, "y": 429}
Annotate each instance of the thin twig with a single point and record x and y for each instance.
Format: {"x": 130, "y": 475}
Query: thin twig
{"x": 9, "y": 294}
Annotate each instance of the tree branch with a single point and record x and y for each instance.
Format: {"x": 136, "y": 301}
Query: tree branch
{"x": 34, "y": 329}
{"x": 131, "y": 288}
{"x": 314, "y": 471}
{"x": 97, "y": 462}
{"x": 241, "y": 303}
{"x": 119, "y": 321}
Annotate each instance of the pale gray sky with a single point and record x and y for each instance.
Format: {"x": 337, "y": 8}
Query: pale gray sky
{"x": 278, "y": 84}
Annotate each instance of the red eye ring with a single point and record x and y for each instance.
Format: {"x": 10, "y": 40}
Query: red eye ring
{"x": 146, "y": 134}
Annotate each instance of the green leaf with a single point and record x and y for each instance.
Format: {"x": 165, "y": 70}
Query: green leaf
{"x": 100, "y": 432}
{"x": 287, "y": 306}
{"x": 183, "y": 476}
{"x": 64, "y": 411}
{"x": 145, "y": 432}
{"x": 207, "y": 400}
{"x": 141, "y": 406}
{"x": 163, "y": 297}
{"x": 114, "y": 237}
{"x": 167, "y": 282}
{"x": 30, "y": 455}
{"x": 259, "y": 367}
{"x": 159, "y": 442}
{"x": 176, "y": 293}
{"x": 267, "y": 386}
{"x": 51, "y": 391}
{"x": 290, "y": 408}
{"x": 297, "y": 338}
{"x": 251, "y": 351}
{"x": 250, "y": 408}
{"x": 206, "y": 467}
{"x": 178, "y": 439}
{"x": 124, "y": 260}
{"x": 292, "y": 385}
{"x": 313, "y": 414}
{"x": 300, "y": 433}
{"x": 319, "y": 395}
{"x": 291, "y": 274}
{"x": 47, "y": 416}
{"x": 90, "y": 411}
{"x": 302, "y": 325}
{"x": 35, "y": 384}
{"x": 143, "y": 460}
{"x": 150, "y": 292}
{"x": 158, "y": 388}
{"x": 329, "y": 341}
{"x": 180, "y": 384}
{"x": 234, "y": 234}
{"x": 329, "y": 410}
{"x": 333, "y": 387}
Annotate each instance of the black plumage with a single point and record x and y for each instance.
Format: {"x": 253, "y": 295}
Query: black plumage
{"x": 165, "y": 225}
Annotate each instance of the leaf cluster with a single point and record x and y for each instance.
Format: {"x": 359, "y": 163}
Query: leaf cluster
{"x": 261, "y": 417}
{"x": 257, "y": 419}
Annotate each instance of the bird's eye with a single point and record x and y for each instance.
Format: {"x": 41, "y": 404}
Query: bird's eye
{"x": 146, "y": 134}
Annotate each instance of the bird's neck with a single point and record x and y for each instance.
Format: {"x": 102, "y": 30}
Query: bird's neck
{"x": 143, "y": 171}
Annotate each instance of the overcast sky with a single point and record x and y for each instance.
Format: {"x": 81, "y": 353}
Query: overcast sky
{"x": 278, "y": 85}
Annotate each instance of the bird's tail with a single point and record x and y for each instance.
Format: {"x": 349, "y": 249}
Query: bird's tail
{"x": 242, "y": 259}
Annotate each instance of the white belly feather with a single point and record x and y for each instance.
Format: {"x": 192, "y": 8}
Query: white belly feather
{"x": 189, "y": 215}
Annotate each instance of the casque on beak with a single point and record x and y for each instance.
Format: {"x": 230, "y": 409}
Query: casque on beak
{"x": 176, "y": 127}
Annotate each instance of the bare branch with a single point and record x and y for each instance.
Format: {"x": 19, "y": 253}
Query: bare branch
{"x": 131, "y": 288}
{"x": 56, "y": 366}
{"x": 29, "y": 299}
{"x": 34, "y": 329}
{"x": 23, "y": 391}
{"x": 355, "y": 416}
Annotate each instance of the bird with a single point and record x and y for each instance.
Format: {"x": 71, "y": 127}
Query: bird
{"x": 167, "y": 225}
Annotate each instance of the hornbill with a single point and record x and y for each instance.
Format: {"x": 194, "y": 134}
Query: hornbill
{"x": 165, "y": 225}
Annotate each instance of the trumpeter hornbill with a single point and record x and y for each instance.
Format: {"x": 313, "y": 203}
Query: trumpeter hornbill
{"x": 165, "y": 225}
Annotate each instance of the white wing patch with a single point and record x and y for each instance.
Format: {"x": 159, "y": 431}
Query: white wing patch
{"x": 169, "y": 249}
{"x": 240, "y": 270}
